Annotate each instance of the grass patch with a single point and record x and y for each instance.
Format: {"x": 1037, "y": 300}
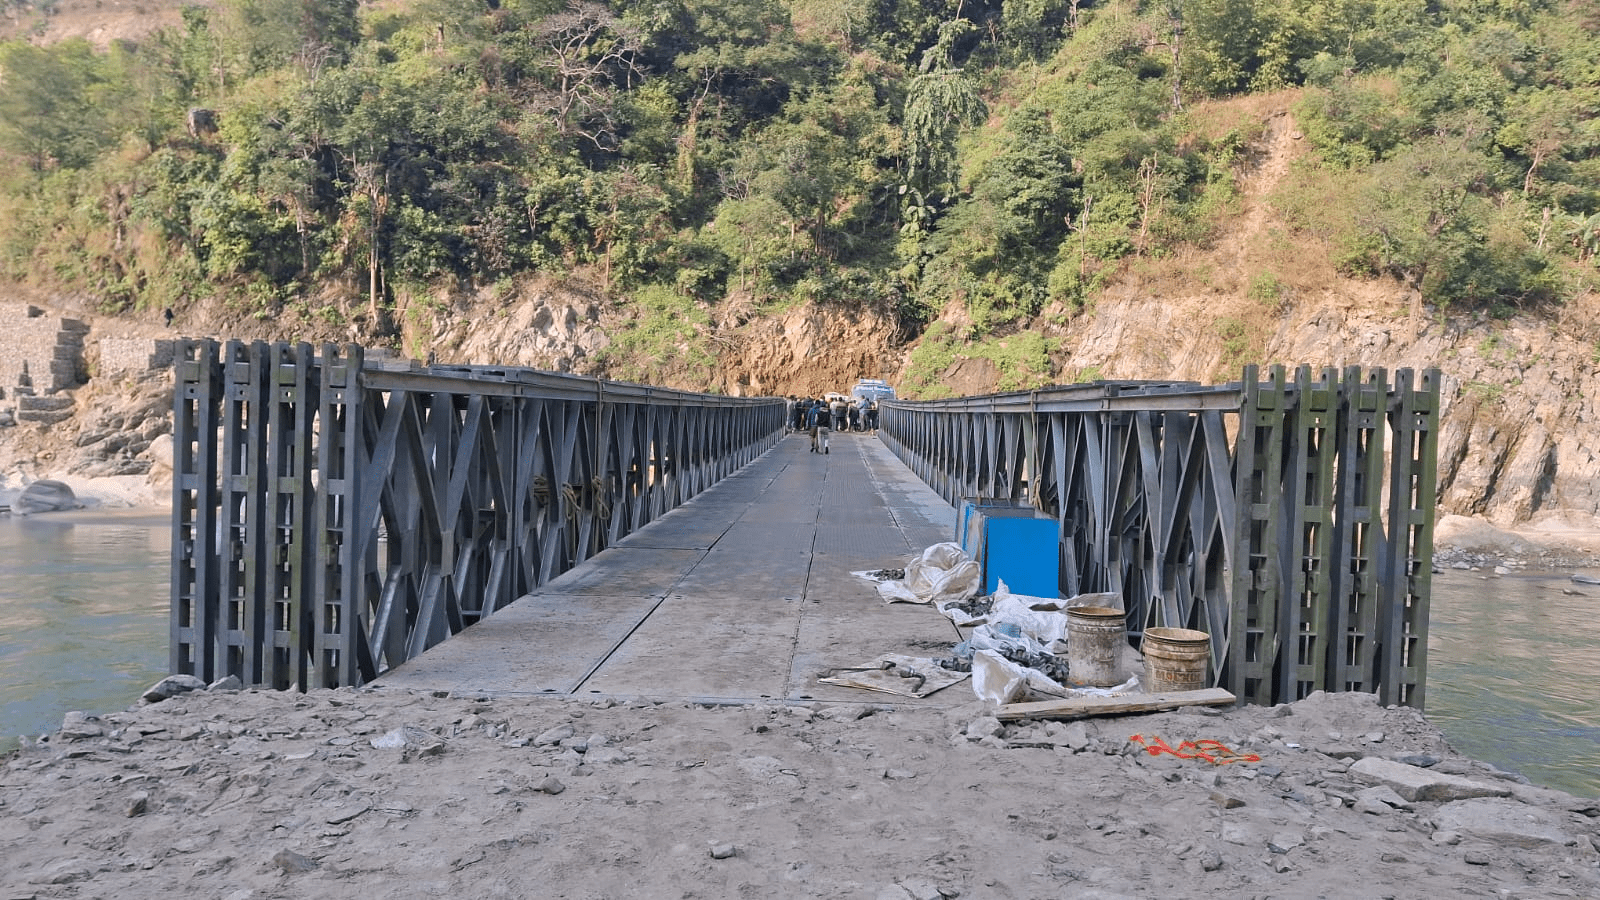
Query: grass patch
{"x": 667, "y": 337}
{"x": 1021, "y": 361}
{"x": 1267, "y": 289}
{"x": 1235, "y": 335}
{"x": 933, "y": 355}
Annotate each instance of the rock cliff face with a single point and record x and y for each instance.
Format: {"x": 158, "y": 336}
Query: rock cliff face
{"x": 811, "y": 350}
{"x": 1519, "y": 412}
{"x": 1517, "y": 443}
{"x": 571, "y": 327}
{"x": 1519, "y": 398}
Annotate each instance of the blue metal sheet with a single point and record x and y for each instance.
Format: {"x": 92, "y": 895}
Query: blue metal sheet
{"x": 1012, "y": 542}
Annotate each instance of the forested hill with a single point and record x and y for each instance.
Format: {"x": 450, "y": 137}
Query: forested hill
{"x": 776, "y": 196}
{"x": 957, "y": 170}
{"x": 1007, "y": 156}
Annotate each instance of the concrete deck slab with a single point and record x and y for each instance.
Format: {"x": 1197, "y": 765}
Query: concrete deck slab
{"x": 543, "y": 643}
{"x": 678, "y": 530}
{"x": 626, "y": 570}
{"x": 743, "y": 593}
{"x": 746, "y": 572}
{"x": 719, "y": 649}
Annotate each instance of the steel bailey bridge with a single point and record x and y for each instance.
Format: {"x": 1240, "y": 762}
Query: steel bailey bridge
{"x": 335, "y": 517}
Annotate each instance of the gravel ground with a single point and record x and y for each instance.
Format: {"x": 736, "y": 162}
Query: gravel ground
{"x": 356, "y": 793}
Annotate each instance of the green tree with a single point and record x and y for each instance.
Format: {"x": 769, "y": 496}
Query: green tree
{"x": 257, "y": 36}
{"x": 734, "y": 63}
{"x": 629, "y": 210}
{"x": 941, "y": 101}
{"x": 997, "y": 246}
{"x": 587, "y": 56}
{"x": 47, "y": 117}
{"x": 1034, "y": 26}
{"x": 1425, "y": 214}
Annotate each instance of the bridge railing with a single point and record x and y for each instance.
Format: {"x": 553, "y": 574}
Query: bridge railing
{"x": 333, "y": 518}
{"x": 1290, "y": 518}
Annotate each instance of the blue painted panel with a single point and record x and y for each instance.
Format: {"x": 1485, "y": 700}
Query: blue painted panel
{"x": 1012, "y": 543}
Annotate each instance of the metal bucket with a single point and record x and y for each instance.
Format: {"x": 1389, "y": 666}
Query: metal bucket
{"x": 1095, "y": 637}
{"x": 1175, "y": 659}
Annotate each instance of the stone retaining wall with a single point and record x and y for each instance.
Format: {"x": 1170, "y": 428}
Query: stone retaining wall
{"x": 49, "y": 349}
{"x": 119, "y": 356}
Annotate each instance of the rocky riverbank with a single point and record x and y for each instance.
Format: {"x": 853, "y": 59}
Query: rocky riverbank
{"x": 376, "y": 792}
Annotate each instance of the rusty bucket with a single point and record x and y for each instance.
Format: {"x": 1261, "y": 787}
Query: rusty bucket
{"x": 1095, "y": 636}
{"x": 1175, "y": 659}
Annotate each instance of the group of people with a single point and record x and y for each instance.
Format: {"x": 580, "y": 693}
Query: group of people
{"x": 821, "y": 417}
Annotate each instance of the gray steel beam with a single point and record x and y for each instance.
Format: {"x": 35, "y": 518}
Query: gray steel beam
{"x": 1269, "y": 540}
{"x": 370, "y": 512}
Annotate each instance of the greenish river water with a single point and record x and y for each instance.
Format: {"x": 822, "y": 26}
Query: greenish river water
{"x": 1514, "y": 673}
{"x": 83, "y": 614}
{"x": 1513, "y": 662}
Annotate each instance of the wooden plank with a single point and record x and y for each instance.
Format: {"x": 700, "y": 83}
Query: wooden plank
{"x": 1113, "y": 706}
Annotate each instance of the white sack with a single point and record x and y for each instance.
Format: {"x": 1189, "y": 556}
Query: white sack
{"x": 1043, "y": 627}
{"x": 996, "y": 679}
{"x": 943, "y": 573}
{"x": 987, "y": 637}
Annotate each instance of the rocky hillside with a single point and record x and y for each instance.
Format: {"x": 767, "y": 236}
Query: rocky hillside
{"x": 1519, "y": 414}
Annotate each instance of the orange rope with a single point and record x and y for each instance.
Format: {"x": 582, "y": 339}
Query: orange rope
{"x": 1211, "y": 751}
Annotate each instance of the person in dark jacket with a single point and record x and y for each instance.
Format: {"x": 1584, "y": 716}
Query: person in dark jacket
{"x": 817, "y": 420}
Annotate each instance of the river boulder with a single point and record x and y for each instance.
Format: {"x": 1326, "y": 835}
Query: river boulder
{"x": 172, "y": 686}
{"x": 45, "y": 495}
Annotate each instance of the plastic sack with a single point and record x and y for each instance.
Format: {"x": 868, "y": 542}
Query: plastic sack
{"x": 1000, "y": 636}
{"x": 1105, "y": 600}
{"x": 1013, "y": 624}
{"x": 996, "y": 679}
{"x": 1045, "y": 628}
{"x": 961, "y": 617}
{"x": 943, "y": 573}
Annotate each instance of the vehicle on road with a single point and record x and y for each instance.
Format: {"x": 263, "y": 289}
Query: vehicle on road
{"x": 873, "y": 389}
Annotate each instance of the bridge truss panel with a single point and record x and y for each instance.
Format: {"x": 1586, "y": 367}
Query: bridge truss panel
{"x": 1290, "y": 518}
{"x": 333, "y": 518}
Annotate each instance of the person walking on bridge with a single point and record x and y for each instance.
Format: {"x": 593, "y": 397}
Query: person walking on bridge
{"x": 817, "y": 420}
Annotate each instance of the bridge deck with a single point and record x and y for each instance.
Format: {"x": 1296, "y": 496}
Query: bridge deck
{"x": 742, "y": 594}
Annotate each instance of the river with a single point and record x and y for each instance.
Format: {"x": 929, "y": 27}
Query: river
{"x": 1512, "y": 666}
{"x": 83, "y": 614}
{"x": 1512, "y": 661}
